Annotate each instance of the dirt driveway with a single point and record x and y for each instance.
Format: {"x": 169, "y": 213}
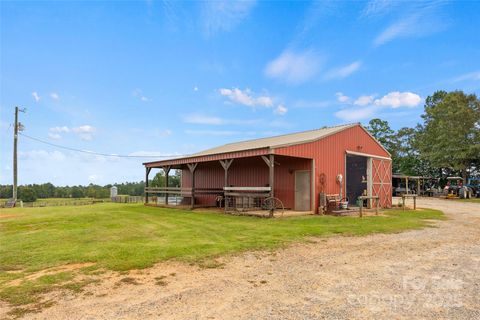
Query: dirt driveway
{"x": 430, "y": 274}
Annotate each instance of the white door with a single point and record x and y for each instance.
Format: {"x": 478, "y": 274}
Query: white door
{"x": 302, "y": 190}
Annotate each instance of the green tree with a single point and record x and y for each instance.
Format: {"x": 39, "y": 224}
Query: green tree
{"x": 381, "y": 130}
{"x": 450, "y": 135}
{"x": 27, "y": 194}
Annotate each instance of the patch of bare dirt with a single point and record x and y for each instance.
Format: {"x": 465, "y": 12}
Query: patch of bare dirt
{"x": 429, "y": 274}
{"x": 49, "y": 271}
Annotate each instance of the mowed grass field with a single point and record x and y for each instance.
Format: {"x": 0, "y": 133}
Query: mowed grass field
{"x": 122, "y": 237}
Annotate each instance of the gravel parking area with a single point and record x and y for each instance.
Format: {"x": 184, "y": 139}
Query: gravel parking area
{"x": 429, "y": 274}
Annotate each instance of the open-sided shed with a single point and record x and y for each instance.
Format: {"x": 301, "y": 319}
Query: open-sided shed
{"x": 294, "y": 168}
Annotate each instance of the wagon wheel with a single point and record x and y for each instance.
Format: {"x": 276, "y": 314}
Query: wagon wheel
{"x": 274, "y": 206}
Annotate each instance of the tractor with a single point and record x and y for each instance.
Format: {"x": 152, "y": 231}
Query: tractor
{"x": 474, "y": 186}
{"x": 452, "y": 189}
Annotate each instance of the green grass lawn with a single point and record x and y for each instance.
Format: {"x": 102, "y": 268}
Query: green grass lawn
{"x": 129, "y": 236}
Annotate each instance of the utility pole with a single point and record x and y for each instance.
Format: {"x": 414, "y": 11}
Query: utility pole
{"x": 18, "y": 127}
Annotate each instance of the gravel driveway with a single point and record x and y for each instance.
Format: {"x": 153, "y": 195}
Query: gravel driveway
{"x": 429, "y": 274}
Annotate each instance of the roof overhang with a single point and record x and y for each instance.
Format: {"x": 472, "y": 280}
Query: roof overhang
{"x": 210, "y": 157}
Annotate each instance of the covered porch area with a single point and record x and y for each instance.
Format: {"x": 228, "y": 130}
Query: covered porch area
{"x": 237, "y": 182}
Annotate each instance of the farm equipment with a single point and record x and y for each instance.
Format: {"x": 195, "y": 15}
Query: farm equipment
{"x": 454, "y": 184}
{"x": 474, "y": 187}
{"x": 456, "y": 189}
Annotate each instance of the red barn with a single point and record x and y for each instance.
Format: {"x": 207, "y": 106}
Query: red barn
{"x": 299, "y": 166}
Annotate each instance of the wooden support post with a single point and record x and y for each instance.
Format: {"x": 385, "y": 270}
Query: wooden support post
{"x": 376, "y": 207}
{"x": 192, "y": 167}
{"x": 403, "y": 202}
{"x": 147, "y": 171}
{"x": 406, "y": 185}
{"x": 270, "y": 161}
{"x": 271, "y": 176}
{"x": 418, "y": 186}
{"x": 414, "y": 203}
{"x": 226, "y": 165}
{"x": 361, "y": 210}
{"x": 167, "y": 171}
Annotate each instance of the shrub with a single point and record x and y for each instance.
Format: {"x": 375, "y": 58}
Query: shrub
{"x": 27, "y": 194}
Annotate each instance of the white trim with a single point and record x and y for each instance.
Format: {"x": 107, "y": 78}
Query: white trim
{"x": 247, "y": 188}
{"x": 370, "y": 179}
{"x": 366, "y": 155}
{"x": 312, "y": 185}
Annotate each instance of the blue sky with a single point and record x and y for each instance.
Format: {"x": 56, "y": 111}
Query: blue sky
{"x": 153, "y": 78}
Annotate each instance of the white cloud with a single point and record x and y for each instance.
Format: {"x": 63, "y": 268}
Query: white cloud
{"x": 246, "y": 97}
{"x": 419, "y": 18}
{"x": 137, "y": 93}
{"x": 150, "y": 154}
{"x": 201, "y": 119}
{"x": 63, "y": 129}
{"x": 212, "y": 132}
{"x": 344, "y": 71}
{"x": 401, "y": 28}
{"x": 38, "y": 155}
{"x": 355, "y": 114}
{"x": 364, "y": 100}
{"x": 472, "y": 76}
{"x": 368, "y": 106}
{"x": 85, "y": 132}
{"x": 342, "y": 98}
{"x": 54, "y": 136}
{"x": 280, "y": 110}
{"x": 294, "y": 67}
{"x": 195, "y": 88}
{"x": 379, "y": 7}
{"x": 84, "y": 129}
{"x": 398, "y": 99}
{"x": 212, "y": 120}
{"x": 93, "y": 178}
{"x": 54, "y": 96}
{"x": 39, "y": 166}
{"x": 35, "y": 96}
{"x": 221, "y": 16}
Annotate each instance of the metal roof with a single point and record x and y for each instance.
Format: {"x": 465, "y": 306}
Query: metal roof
{"x": 276, "y": 141}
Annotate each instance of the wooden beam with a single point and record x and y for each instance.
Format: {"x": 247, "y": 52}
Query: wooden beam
{"x": 192, "y": 167}
{"x": 226, "y": 165}
{"x": 147, "y": 171}
{"x": 271, "y": 174}
{"x": 267, "y": 160}
{"x": 166, "y": 169}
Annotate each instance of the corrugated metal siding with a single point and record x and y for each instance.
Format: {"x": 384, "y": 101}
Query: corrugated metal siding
{"x": 329, "y": 155}
{"x": 248, "y": 172}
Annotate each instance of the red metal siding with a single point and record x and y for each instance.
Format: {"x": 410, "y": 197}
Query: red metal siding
{"x": 248, "y": 172}
{"x": 329, "y": 154}
{"x": 212, "y": 157}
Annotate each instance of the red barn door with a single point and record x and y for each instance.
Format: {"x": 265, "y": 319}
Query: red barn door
{"x": 382, "y": 181}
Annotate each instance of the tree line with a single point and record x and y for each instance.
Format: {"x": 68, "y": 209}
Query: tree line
{"x": 446, "y": 143}
{"x": 31, "y": 192}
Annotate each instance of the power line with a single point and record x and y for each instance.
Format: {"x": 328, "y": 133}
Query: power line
{"x": 99, "y": 153}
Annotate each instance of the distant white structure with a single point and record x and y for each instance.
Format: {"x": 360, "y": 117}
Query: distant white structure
{"x": 113, "y": 192}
